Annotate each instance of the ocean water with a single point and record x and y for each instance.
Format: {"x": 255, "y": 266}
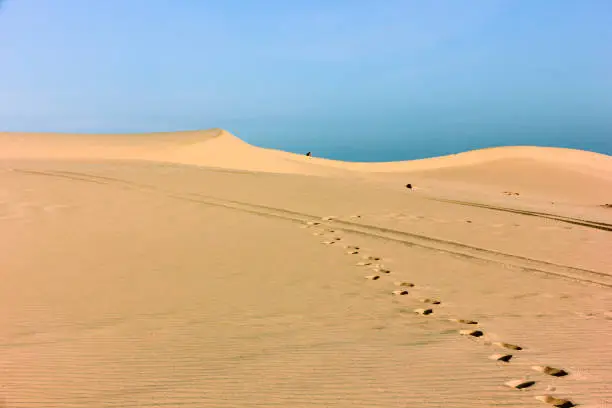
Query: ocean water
{"x": 379, "y": 141}
{"x": 373, "y": 137}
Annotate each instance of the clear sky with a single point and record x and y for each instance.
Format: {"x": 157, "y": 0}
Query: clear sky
{"x": 299, "y": 73}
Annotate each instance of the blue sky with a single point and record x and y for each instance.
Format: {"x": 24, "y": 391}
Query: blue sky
{"x": 293, "y": 74}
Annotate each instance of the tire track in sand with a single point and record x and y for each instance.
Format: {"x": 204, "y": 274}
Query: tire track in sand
{"x": 569, "y": 220}
{"x": 403, "y": 237}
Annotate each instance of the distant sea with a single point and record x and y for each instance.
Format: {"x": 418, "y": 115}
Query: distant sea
{"x": 376, "y": 142}
{"x": 373, "y": 137}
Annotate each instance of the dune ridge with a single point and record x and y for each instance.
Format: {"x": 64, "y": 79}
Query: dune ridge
{"x": 219, "y": 147}
{"x": 569, "y": 178}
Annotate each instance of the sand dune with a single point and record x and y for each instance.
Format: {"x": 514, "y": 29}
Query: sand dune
{"x": 192, "y": 269}
{"x": 217, "y": 147}
{"x": 543, "y": 175}
{"x": 212, "y": 148}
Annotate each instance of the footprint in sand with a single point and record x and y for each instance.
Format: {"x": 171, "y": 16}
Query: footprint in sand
{"x": 352, "y": 247}
{"x": 406, "y": 284}
{"x": 471, "y": 333}
{"x": 329, "y": 218}
{"x": 332, "y": 241}
{"x": 463, "y": 321}
{"x": 423, "y": 312}
{"x": 520, "y": 384}
{"x": 371, "y": 258}
{"x": 352, "y": 252}
{"x": 400, "y": 292}
{"x": 381, "y": 269}
{"x": 507, "y": 345}
{"x": 501, "y": 357}
{"x": 373, "y": 277}
{"x": 429, "y": 300}
{"x": 555, "y": 372}
{"x": 556, "y": 402}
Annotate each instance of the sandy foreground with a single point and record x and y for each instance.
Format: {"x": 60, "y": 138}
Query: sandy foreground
{"x": 191, "y": 269}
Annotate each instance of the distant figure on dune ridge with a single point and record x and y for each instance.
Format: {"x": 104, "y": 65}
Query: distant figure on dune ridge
{"x": 309, "y": 154}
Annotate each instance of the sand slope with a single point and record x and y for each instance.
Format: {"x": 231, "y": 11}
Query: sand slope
{"x": 564, "y": 177}
{"x": 213, "y": 148}
{"x": 182, "y": 271}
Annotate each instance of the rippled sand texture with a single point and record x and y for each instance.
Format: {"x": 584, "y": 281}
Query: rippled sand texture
{"x": 190, "y": 270}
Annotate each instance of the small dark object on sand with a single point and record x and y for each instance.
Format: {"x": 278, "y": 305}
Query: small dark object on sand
{"x": 607, "y": 205}
{"x": 309, "y": 154}
{"x": 409, "y": 186}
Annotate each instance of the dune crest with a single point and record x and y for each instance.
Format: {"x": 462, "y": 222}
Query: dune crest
{"x": 564, "y": 175}
{"x": 218, "y": 147}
